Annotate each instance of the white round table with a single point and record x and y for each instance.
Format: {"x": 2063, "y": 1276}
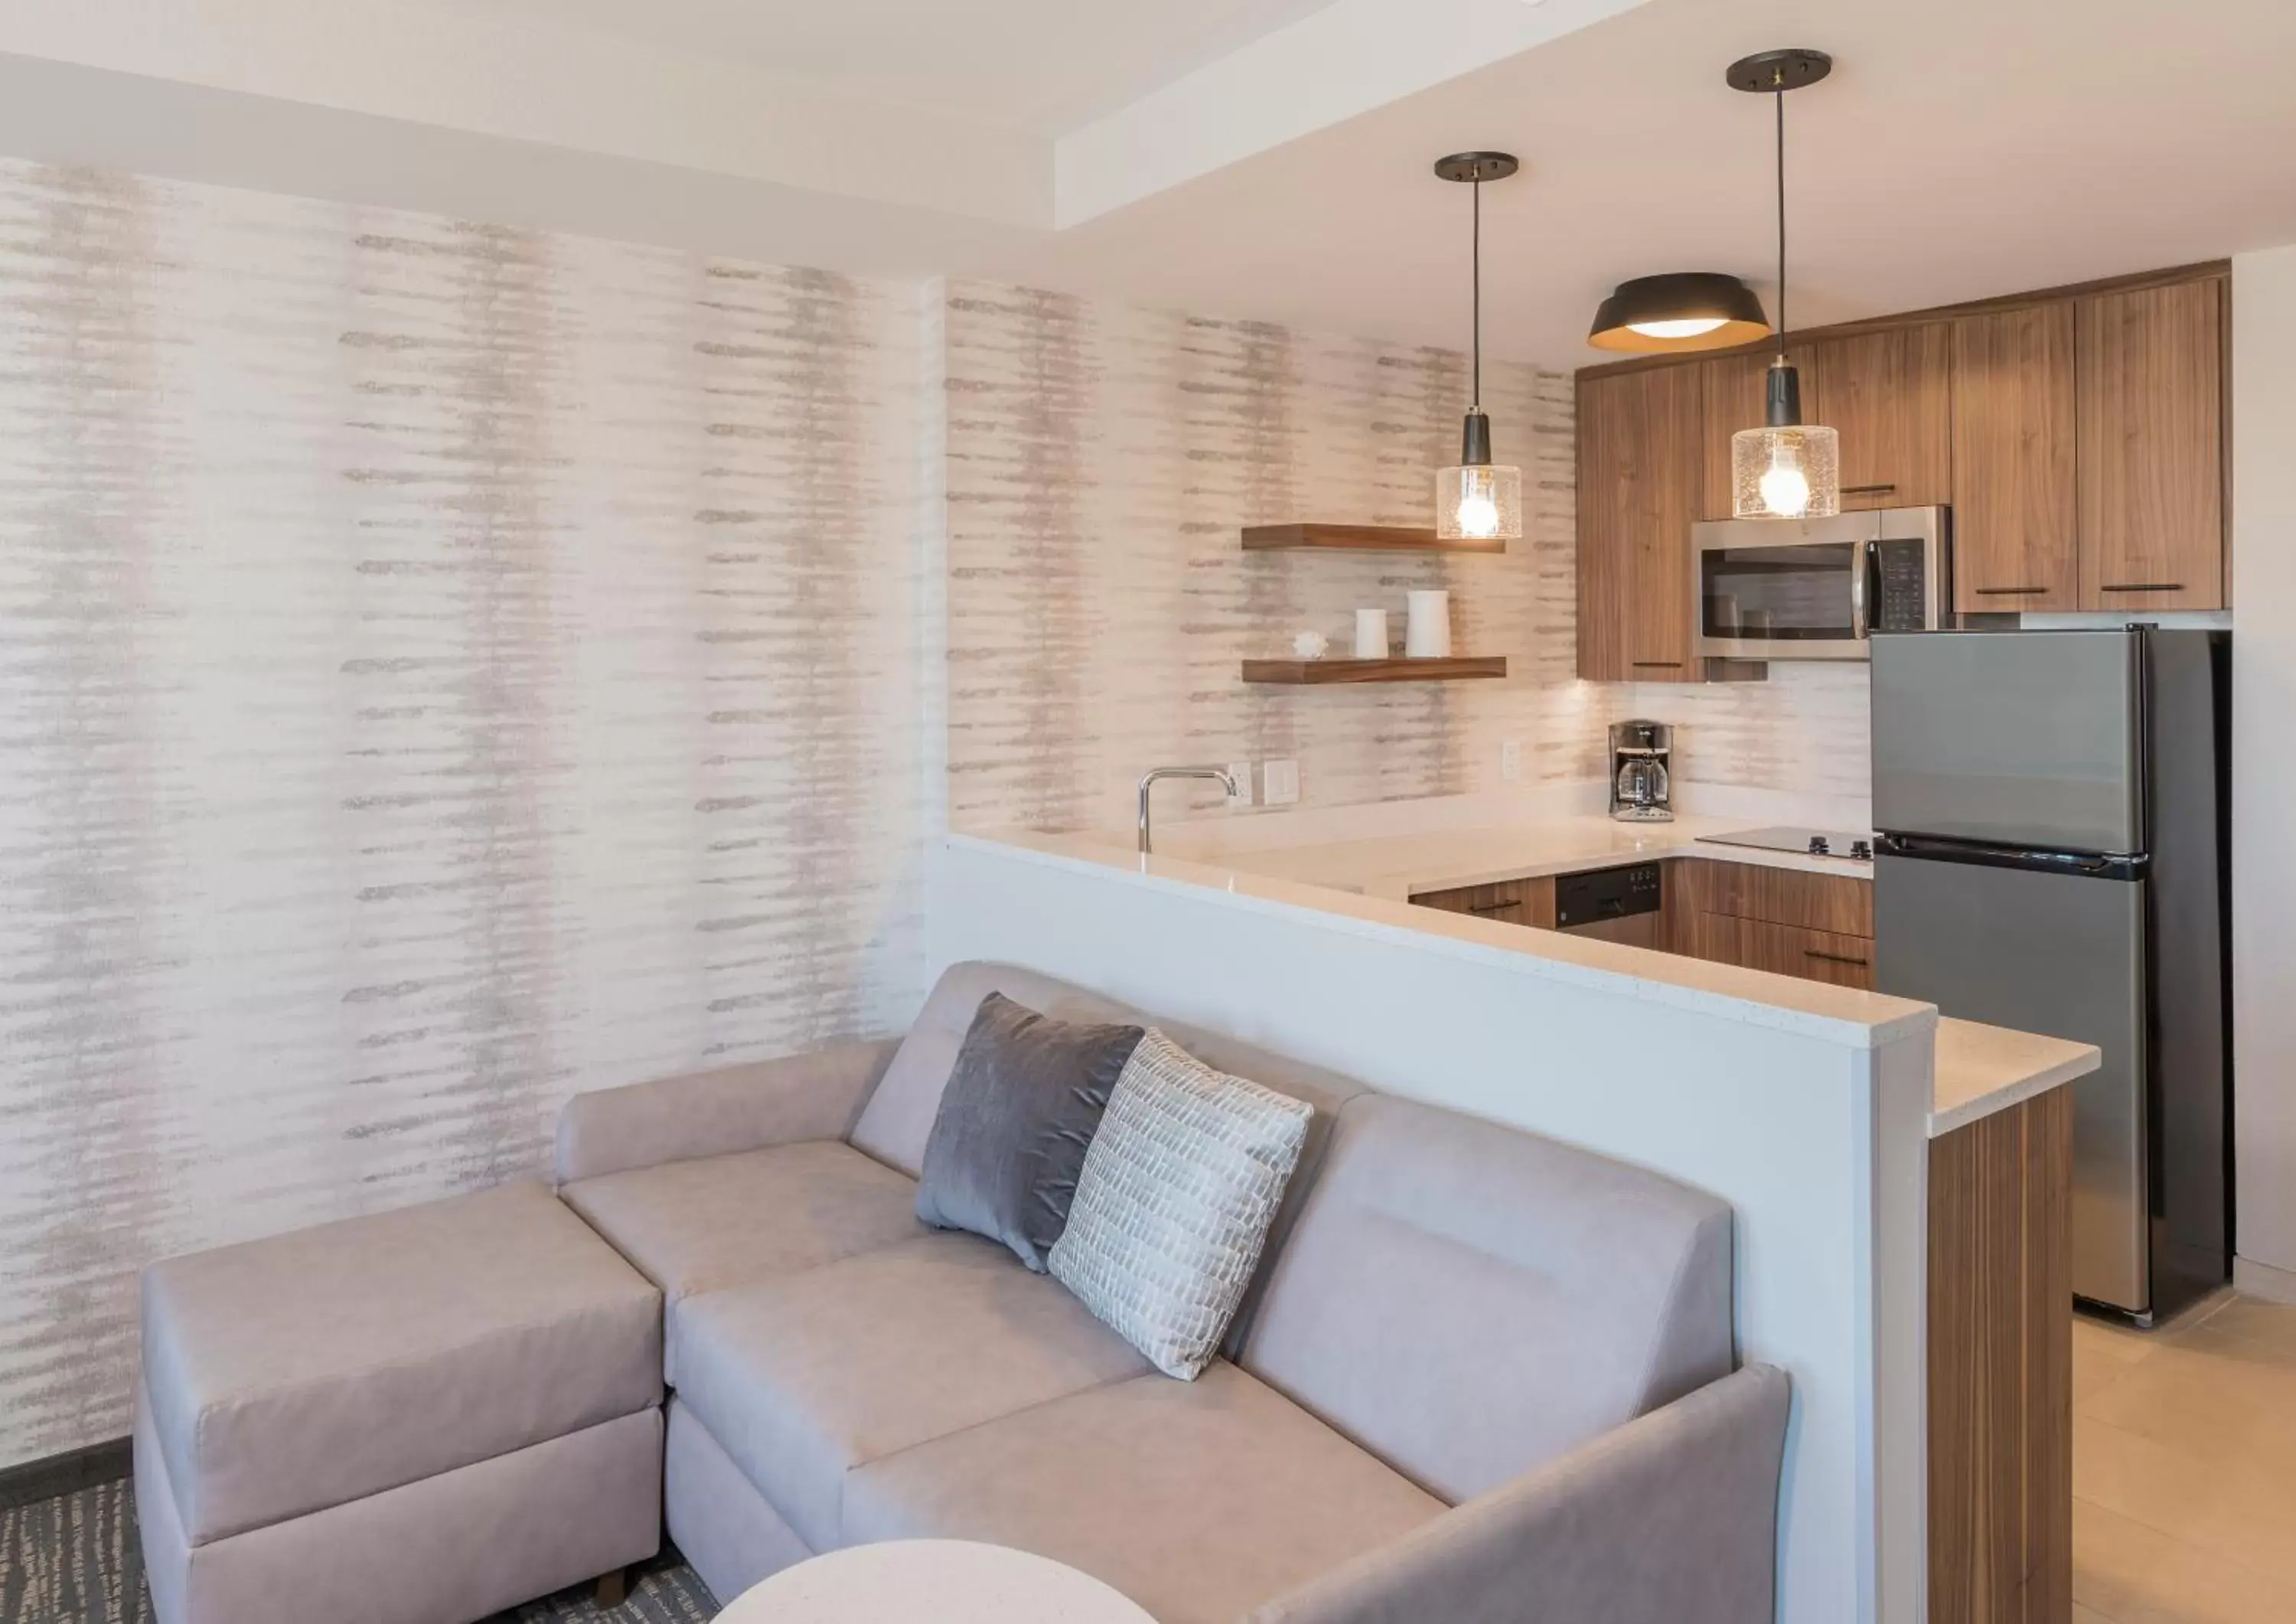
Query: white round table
{"x": 932, "y": 1581}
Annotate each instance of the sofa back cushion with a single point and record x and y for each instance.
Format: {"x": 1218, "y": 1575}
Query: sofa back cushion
{"x": 897, "y": 1119}
{"x": 1469, "y": 1301}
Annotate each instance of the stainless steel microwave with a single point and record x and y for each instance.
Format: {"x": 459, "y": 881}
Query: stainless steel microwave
{"x": 1817, "y": 588}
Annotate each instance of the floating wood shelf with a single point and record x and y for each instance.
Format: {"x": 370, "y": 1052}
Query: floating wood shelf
{"x": 1316, "y": 671}
{"x": 1356, "y": 538}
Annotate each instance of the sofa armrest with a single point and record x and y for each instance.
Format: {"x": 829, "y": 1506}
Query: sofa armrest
{"x": 717, "y": 1113}
{"x": 1672, "y": 1516}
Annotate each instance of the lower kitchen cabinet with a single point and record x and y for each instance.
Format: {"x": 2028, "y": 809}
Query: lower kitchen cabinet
{"x": 1814, "y": 955}
{"x": 2000, "y": 1367}
{"x": 1510, "y": 902}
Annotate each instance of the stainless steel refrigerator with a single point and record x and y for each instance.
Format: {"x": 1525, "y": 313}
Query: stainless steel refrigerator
{"x": 2053, "y": 855}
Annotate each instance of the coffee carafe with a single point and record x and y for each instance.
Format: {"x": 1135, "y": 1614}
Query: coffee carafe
{"x": 1641, "y": 787}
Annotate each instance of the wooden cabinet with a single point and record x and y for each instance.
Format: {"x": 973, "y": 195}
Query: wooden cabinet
{"x": 2014, "y": 518}
{"x": 1888, "y": 395}
{"x": 2000, "y": 1367}
{"x": 2149, "y": 413}
{"x": 1814, "y": 955}
{"x": 1514, "y": 902}
{"x": 1640, "y": 435}
{"x": 2079, "y": 437}
{"x": 1735, "y": 389}
{"x": 1819, "y": 927}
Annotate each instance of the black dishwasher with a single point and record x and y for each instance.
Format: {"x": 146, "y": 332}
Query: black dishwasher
{"x": 1605, "y": 894}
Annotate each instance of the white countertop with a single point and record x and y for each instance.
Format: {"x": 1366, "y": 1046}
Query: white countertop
{"x": 1978, "y": 1070}
{"x": 1984, "y": 1069}
{"x": 1399, "y": 868}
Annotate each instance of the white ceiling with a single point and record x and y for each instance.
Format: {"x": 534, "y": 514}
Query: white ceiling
{"x": 1037, "y": 65}
{"x": 1960, "y": 148}
{"x": 1264, "y": 158}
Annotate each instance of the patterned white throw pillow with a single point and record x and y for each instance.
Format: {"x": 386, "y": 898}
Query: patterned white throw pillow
{"x": 1173, "y": 1202}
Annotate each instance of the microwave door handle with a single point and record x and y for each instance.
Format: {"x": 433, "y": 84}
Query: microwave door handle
{"x": 1859, "y": 562}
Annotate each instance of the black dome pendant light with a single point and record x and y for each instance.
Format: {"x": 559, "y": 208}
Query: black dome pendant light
{"x": 1786, "y": 469}
{"x": 1478, "y": 501}
{"x": 1682, "y": 310}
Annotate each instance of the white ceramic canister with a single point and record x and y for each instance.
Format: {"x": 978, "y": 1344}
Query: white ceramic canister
{"x": 1371, "y": 634}
{"x": 1427, "y": 629}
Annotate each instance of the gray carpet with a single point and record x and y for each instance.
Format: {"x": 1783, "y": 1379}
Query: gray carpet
{"x": 75, "y": 1559}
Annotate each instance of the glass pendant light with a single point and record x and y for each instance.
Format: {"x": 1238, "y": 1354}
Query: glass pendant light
{"x": 1786, "y": 469}
{"x": 1478, "y": 500}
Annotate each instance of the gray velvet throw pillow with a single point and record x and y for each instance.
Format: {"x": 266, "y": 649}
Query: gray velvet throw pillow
{"x": 1021, "y": 1107}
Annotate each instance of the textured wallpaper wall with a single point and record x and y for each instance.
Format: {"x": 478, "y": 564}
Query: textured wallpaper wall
{"x": 1101, "y": 462}
{"x": 440, "y": 668}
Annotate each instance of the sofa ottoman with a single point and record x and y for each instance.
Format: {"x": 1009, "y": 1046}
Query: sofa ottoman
{"x": 417, "y": 1417}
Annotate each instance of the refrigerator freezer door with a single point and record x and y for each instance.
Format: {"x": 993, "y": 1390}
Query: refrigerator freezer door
{"x": 2057, "y": 954}
{"x": 2032, "y": 739}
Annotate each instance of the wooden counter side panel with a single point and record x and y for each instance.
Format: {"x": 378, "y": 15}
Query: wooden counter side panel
{"x": 2000, "y": 1367}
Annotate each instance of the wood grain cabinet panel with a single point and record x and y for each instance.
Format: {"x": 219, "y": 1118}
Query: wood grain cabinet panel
{"x": 1639, "y": 468}
{"x": 2015, "y": 534}
{"x": 1889, "y": 397}
{"x": 1514, "y": 902}
{"x": 2150, "y": 419}
{"x": 1813, "y": 956}
{"x": 2000, "y": 1367}
{"x": 1735, "y": 389}
{"x": 1836, "y": 903}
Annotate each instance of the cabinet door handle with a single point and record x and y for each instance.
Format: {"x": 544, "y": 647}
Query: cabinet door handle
{"x": 1866, "y": 490}
{"x": 1670, "y": 665}
{"x": 2146, "y": 586}
{"x": 1831, "y": 958}
{"x": 2010, "y": 592}
{"x": 1493, "y": 908}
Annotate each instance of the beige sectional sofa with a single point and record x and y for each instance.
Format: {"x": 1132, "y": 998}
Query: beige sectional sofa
{"x": 1482, "y": 1376}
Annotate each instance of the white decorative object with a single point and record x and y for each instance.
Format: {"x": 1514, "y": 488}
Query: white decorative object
{"x": 1371, "y": 634}
{"x": 1427, "y": 626}
{"x": 1310, "y": 646}
{"x": 947, "y": 1581}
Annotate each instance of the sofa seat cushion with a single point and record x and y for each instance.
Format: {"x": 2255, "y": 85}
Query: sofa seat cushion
{"x": 803, "y": 1378}
{"x": 1200, "y": 1500}
{"x": 292, "y": 1374}
{"x": 719, "y": 1221}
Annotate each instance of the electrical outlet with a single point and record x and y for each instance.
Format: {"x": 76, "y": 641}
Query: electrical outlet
{"x": 1281, "y": 780}
{"x": 1511, "y": 759}
{"x": 1241, "y": 771}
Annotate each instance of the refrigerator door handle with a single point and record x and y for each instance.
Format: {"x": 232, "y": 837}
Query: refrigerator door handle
{"x": 2102, "y": 865}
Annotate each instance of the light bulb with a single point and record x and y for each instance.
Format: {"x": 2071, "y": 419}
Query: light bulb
{"x": 1479, "y": 517}
{"x": 1677, "y": 327}
{"x": 1785, "y": 489}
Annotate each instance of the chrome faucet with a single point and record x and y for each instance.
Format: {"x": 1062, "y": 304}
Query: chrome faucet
{"x": 1148, "y": 779}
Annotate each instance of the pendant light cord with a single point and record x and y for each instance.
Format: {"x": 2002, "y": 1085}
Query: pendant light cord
{"x": 1476, "y": 390}
{"x": 1779, "y": 96}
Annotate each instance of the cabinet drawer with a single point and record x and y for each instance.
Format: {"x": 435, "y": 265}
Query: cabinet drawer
{"x": 1814, "y": 955}
{"x": 1514, "y": 902}
{"x": 1835, "y": 904}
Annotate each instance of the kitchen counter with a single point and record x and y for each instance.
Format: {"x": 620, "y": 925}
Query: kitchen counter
{"x": 1399, "y": 868}
{"x": 1978, "y": 1070}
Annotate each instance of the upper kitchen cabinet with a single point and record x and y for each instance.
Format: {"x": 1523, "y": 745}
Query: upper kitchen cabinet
{"x": 2015, "y": 545}
{"x": 2149, "y": 416}
{"x": 1889, "y": 396}
{"x": 1736, "y": 389}
{"x": 1641, "y": 438}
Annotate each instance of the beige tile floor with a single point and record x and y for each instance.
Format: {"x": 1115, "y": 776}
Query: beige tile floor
{"x": 2184, "y": 1467}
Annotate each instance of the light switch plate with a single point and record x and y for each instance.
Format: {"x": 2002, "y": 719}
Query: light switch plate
{"x": 1241, "y": 771}
{"x": 1511, "y": 759}
{"x": 1281, "y": 781}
